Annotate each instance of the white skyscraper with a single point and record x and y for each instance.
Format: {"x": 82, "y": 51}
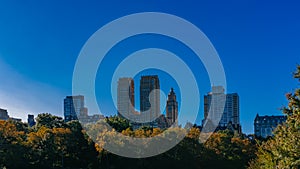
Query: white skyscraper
{"x": 219, "y": 113}
{"x": 126, "y": 101}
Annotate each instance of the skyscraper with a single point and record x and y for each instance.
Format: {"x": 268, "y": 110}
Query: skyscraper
{"x": 150, "y": 98}
{"x": 214, "y": 104}
{"x": 30, "y": 120}
{"x": 126, "y": 101}
{"x": 172, "y": 108}
{"x": 74, "y": 107}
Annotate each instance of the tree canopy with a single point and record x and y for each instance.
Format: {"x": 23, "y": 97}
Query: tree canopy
{"x": 283, "y": 150}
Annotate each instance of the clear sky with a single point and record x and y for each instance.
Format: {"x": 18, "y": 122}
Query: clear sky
{"x": 258, "y": 43}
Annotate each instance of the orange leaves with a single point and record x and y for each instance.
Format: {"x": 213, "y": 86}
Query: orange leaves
{"x": 9, "y": 132}
{"x": 194, "y": 133}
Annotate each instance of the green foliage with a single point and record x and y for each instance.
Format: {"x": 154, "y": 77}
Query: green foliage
{"x": 297, "y": 73}
{"x": 12, "y": 149}
{"x": 49, "y": 121}
{"x": 223, "y": 150}
{"x": 283, "y": 150}
{"x": 53, "y": 144}
{"x": 233, "y": 151}
{"x": 118, "y": 123}
{"x": 56, "y": 144}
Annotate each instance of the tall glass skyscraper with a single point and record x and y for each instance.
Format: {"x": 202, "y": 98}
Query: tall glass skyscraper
{"x": 74, "y": 107}
{"x": 150, "y": 98}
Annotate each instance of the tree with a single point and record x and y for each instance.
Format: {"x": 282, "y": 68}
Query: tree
{"x": 194, "y": 133}
{"x": 12, "y": 149}
{"x": 42, "y": 148}
{"x": 49, "y": 121}
{"x": 118, "y": 123}
{"x": 231, "y": 151}
{"x": 81, "y": 151}
{"x": 283, "y": 150}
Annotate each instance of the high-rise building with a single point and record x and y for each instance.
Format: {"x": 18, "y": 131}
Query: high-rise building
{"x": 215, "y": 109}
{"x": 74, "y": 107}
{"x": 150, "y": 98}
{"x": 172, "y": 108}
{"x": 126, "y": 101}
{"x": 264, "y": 125}
{"x": 3, "y": 114}
{"x": 30, "y": 120}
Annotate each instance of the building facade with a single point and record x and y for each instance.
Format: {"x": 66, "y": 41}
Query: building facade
{"x": 91, "y": 119}
{"x": 126, "y": 102}
{"x": 30, "y": 120}
{"x": 264, "y": 125}
{"x": 162, "y": 122}
{"x": 150, "y": 99}
{"x": 74, "y": 107}
{"x": 172, "y": 109}
{"x": 3, "y": 114}
{"x": 214, "y": 108}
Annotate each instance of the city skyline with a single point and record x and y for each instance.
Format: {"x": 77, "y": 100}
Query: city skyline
{"x": 149, "y": 111}
{"x": 74, "y": 109}
{"x": 138, "y": 86}
{"x": 40, "y": 43}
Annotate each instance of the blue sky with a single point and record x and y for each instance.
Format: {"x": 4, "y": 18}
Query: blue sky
{"x": 257, "y": 41}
